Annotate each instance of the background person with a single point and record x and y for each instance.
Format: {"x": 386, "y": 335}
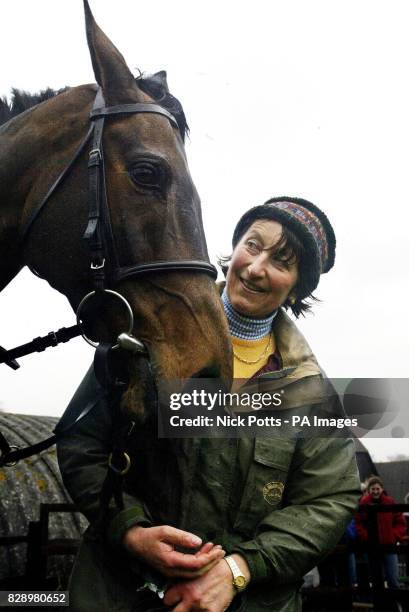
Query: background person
{"x": 391, "y": 529}
{"x": 276, "y": 505}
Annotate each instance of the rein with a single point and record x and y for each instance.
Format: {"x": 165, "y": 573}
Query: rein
{"x": 105, "y": 270}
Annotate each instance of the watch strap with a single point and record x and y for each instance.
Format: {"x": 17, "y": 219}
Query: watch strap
{"x": 239, "y": 580}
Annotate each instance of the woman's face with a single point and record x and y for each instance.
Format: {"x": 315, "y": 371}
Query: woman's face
{"x": 257, "y": 281}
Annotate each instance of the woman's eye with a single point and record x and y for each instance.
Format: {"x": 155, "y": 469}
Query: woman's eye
{"x": 253, "y": 246}
{"x": 147, "y": 174}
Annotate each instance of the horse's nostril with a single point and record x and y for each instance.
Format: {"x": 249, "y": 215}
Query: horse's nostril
{"x": 211, "y": 371}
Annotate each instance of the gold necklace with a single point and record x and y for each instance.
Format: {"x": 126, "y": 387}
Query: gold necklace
{"x": 253, "y": 362}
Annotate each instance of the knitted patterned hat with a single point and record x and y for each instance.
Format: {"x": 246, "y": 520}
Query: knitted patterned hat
{"x": 307, "y": 221}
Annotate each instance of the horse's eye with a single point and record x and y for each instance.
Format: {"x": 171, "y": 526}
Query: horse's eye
{"x": 147, "y": 174}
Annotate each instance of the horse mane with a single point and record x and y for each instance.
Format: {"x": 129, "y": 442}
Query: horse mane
{"x": 21, "y": 101}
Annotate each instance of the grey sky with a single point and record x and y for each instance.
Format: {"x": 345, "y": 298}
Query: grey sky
{"x": 299, "y": 98}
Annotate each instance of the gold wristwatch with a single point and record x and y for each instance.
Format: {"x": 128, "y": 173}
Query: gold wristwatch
{"x": 239, "y": 581}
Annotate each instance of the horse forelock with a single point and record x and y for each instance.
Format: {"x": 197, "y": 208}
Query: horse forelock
{"x": 162, "y": 96}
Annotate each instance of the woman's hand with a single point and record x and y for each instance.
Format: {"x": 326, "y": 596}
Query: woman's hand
{"x": 156, "y": 546}
{"x": 212, "y": 592}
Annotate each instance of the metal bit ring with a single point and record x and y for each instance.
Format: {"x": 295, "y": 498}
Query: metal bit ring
{"x": 111, "y": 292}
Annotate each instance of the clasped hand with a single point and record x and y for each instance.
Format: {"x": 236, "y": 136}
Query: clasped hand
{"x": 203, "y": 580}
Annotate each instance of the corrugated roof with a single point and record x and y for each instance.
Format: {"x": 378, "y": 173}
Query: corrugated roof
{"x": 24, "y": 487}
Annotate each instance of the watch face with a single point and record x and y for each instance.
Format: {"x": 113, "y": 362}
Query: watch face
{"x": 240, "y": 582}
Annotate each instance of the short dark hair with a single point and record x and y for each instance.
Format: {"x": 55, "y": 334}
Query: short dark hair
{"x": 374, "y": 480}
{"x": 289, "y": 248}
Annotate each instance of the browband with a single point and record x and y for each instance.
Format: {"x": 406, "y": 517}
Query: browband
{"x": 131, "y": 109}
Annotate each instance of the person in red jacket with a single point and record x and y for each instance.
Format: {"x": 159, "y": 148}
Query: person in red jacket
{"x": 391, "y": 527}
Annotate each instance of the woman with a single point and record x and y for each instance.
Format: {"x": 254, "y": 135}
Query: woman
{"x": 274, "y": 505}
{"x": 391, "y": 529}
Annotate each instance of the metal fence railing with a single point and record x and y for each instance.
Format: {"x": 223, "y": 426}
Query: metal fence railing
{"x": 40, "y": 548}
{"x": 368, "y": 591}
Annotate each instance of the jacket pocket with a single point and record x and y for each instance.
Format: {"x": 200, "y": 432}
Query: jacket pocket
{"x": 264, "y": 488}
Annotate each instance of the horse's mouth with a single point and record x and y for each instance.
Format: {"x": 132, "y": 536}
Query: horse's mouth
{"x": 140, "y": 398}
{"x": 150, "y": 389}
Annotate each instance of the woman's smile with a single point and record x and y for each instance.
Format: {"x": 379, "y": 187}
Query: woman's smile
{"x": 248, "y": 286}
{"x": 258, "y": 281}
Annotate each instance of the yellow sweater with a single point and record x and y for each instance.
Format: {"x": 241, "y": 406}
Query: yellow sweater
{"x": 250, "y": 350}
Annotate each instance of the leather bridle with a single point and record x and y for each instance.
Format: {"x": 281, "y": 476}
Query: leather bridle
{"x": 99, "y": 233}
{"x": 105, "y": 270}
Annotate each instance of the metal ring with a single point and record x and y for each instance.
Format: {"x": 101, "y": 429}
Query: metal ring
{"x": 115, "y": 469}
{"x": 12, "y": 448}
{"x": 91, "y": 294}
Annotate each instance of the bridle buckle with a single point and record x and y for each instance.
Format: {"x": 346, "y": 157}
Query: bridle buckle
{"x": 98, "y": 266}
{"x": 95, "y": 153}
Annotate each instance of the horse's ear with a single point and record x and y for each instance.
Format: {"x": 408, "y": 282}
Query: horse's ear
{"x": 161, "y": 77}
{"x": 110, "y": 69}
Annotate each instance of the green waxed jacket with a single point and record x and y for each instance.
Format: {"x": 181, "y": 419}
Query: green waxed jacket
{"x": 281, "y": 502}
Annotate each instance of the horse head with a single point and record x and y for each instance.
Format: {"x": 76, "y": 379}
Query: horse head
{"x": 154, "y": 216}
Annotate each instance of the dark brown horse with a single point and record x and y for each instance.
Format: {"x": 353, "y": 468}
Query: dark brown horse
{"x": 154, "y": 210}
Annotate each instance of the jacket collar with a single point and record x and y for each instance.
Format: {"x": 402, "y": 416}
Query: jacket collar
{"x": 295, "y": 351}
